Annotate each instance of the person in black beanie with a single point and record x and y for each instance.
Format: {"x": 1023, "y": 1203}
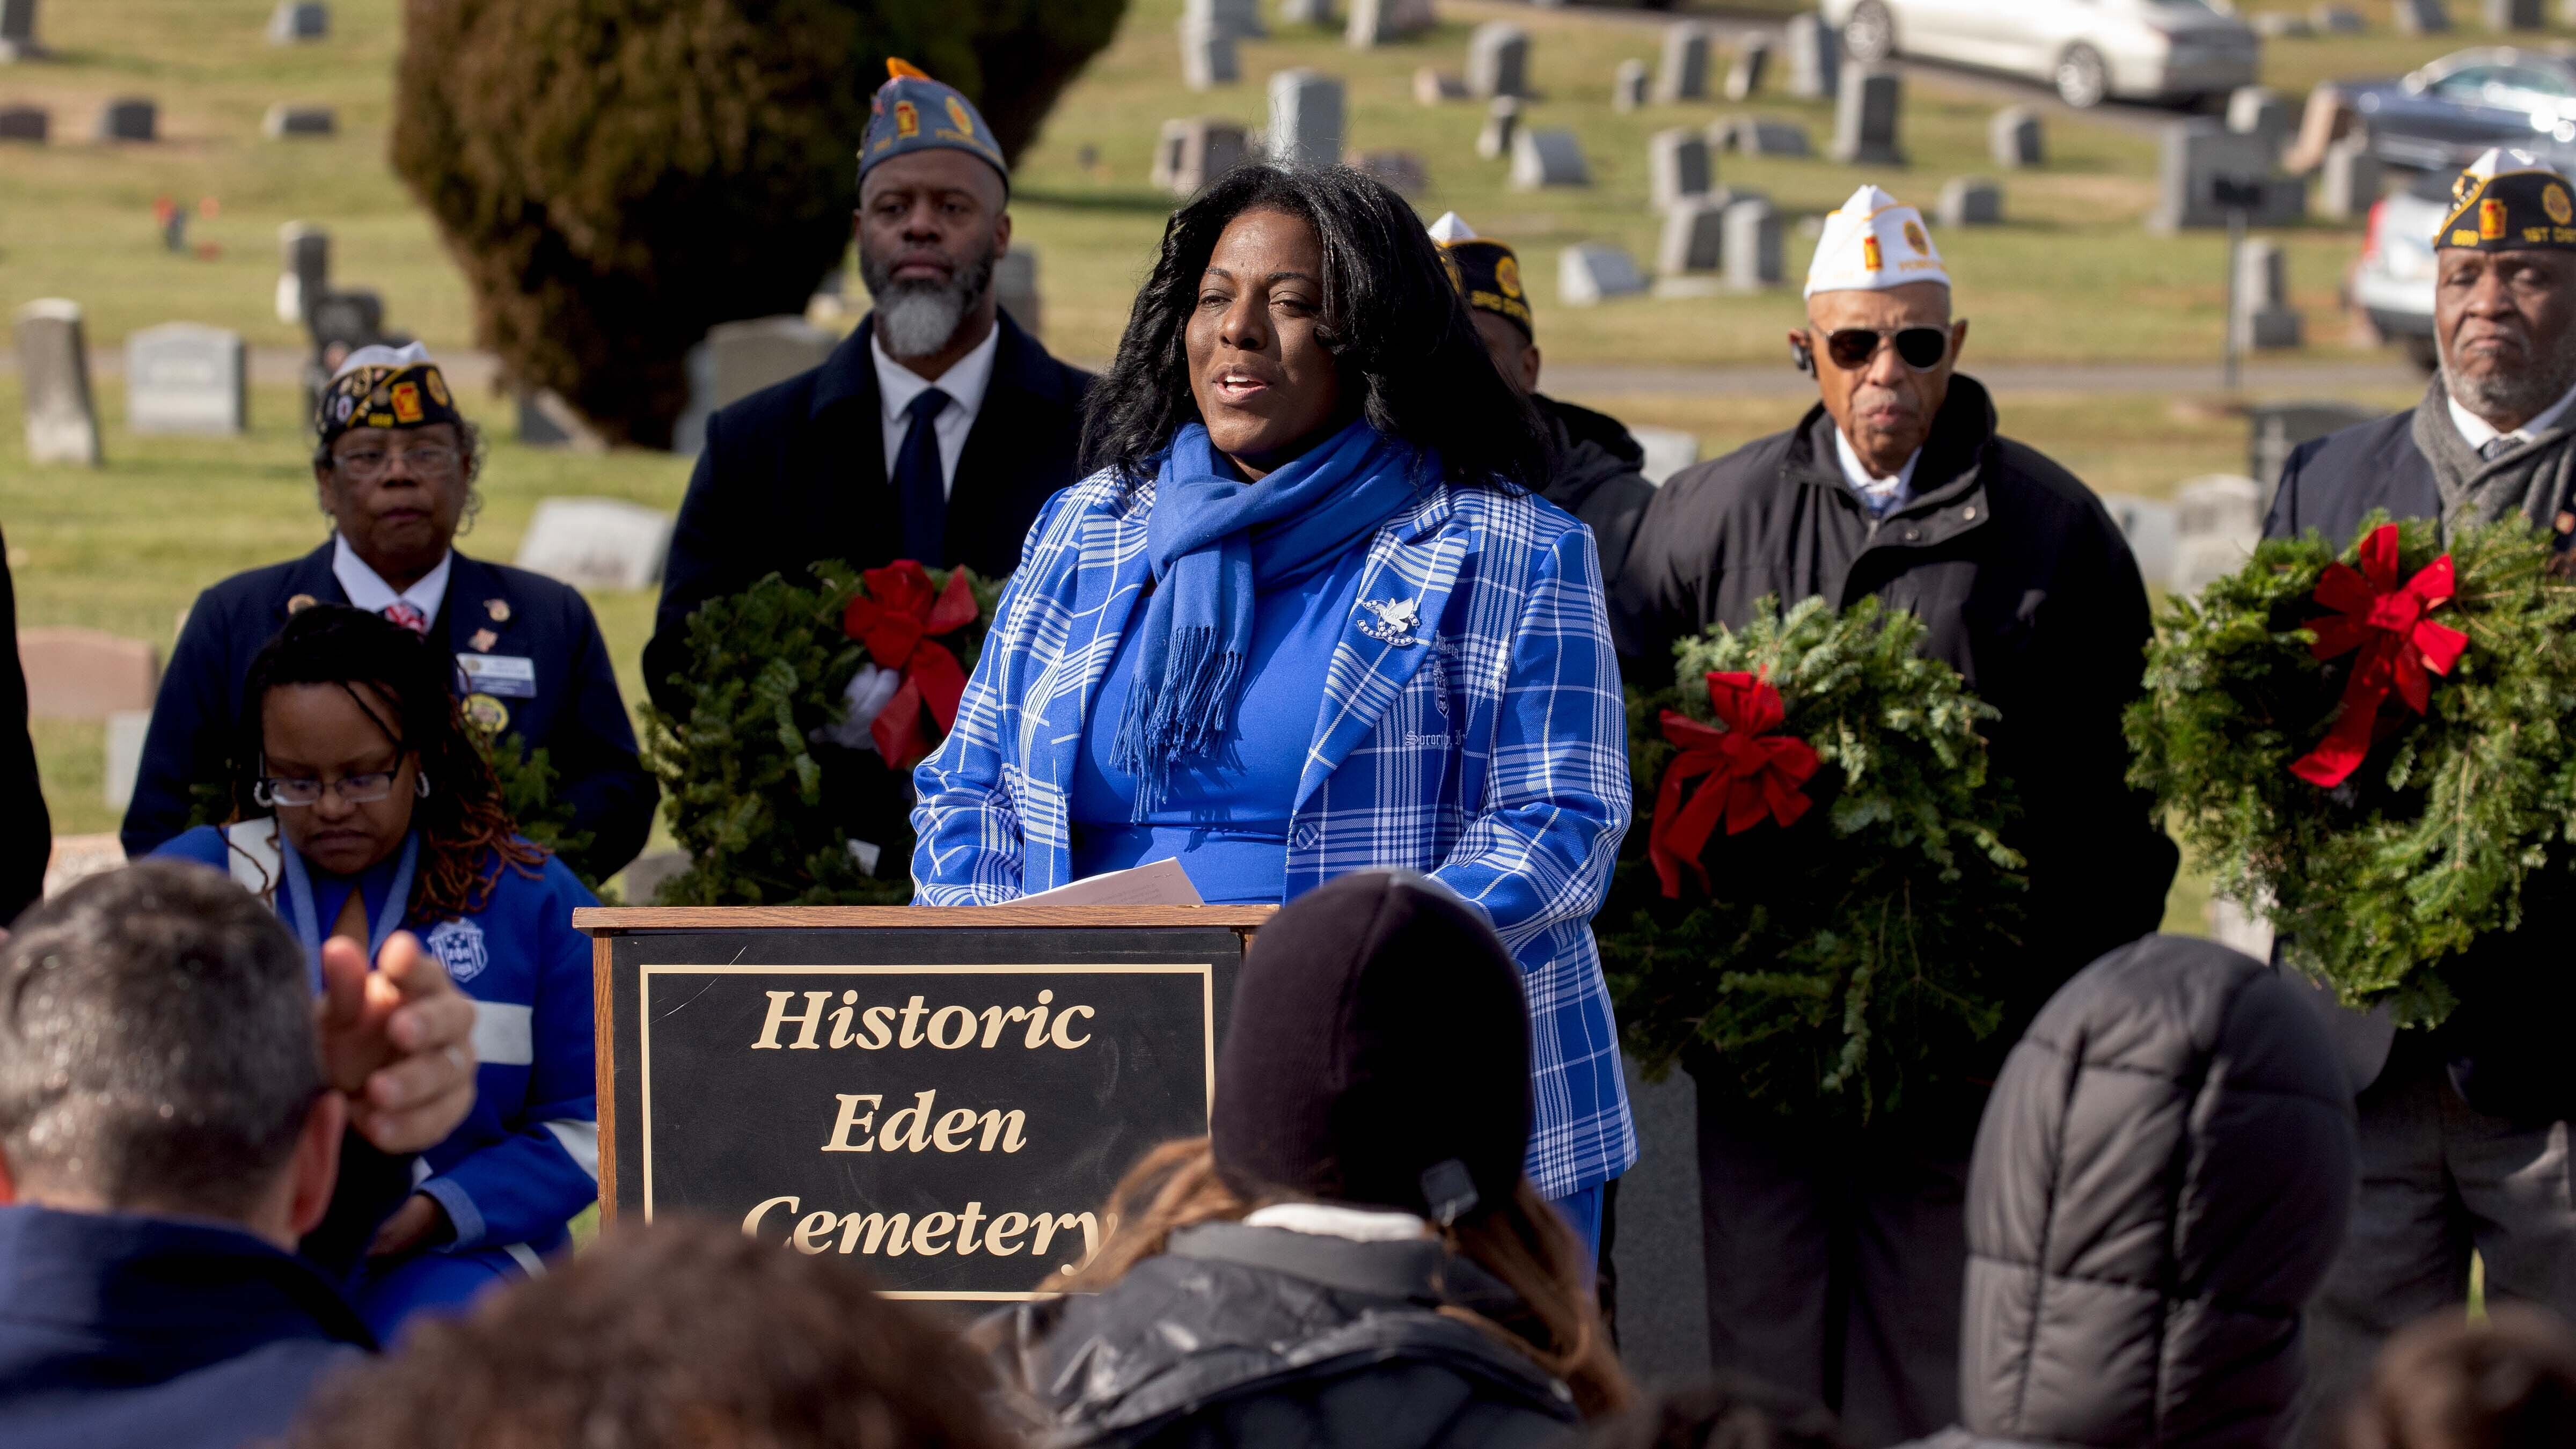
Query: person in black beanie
{"x": 1352, "y": 1256}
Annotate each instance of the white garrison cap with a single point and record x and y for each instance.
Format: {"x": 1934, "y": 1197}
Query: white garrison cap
{"x": 1873, "y": 243}
{"x": 378, "y": 355}
{"x": 1451, "y": 228}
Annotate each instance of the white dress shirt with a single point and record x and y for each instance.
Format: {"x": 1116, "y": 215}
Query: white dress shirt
{"x": 2480, "y": 432}
{"x": 1879, "y": 495}
{"x": 964, "y": 382}
{"x": 368, "y": 590}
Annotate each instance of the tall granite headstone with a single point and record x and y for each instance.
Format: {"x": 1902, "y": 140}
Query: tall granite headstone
{"x": 1309, "y": 12}
{"x": 1752, "y": 63}
{"x": 53, "y": 371}
{"x": 1305, "y": 117}
{"x": 2514, "y": 15}
{"x": 1379, "y": 22}
{"x": 183, "y": 378}
{"x": 295, "y": 22}
{"x": 2348, "y": 182}
{"x": 1970, "y": 201}
{"x": 1694, "y": 237}
{"x": 1815, "y": 58}
{"x": 1628, "y": 86}
{"x": 1208, "y": 57}
{"x": 1196, "y": 151}
{"x": 1677, "y": 167}
{"x": 18, "y": 31}
{"x": 1498, "y": 60}
{"x": 2422, "y": 17}
{"x": 2198, "y": 157}
{"x": 1753, "y": 249}
{"x": 1866, "y": 117}
{"x": 2014, "y": 138}
{"x": 1015, "y": 287}
{"x": 304, "y": 268}
{"x": 2264, "y": 319}
{"x": 738, "y": 359}
{"x": 1497, "y": 140}
{"x": 1237, "y": 19}
{"x": 1682, "y": 73}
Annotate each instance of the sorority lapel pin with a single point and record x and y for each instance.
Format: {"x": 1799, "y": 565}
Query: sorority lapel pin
{"x": 1394, "y": 621}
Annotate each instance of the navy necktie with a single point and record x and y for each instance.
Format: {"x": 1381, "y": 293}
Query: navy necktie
{"x": 919, "y": 483}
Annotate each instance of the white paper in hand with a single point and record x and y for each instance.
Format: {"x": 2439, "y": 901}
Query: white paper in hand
{"x": 1160, "y": 883}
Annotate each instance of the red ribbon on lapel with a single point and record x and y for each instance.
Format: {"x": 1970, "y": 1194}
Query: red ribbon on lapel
{"x": 2386, "y": 622}
{"x": 1751, "y": 773}
{"x": 897, "y": 615}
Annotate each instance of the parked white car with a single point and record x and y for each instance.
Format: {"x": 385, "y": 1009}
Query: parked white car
{"x": 2089, "y": 50}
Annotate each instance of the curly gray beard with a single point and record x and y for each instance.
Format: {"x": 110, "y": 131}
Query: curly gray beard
{"x": 2521, "y": 393}
{"x": 916, "y": 319}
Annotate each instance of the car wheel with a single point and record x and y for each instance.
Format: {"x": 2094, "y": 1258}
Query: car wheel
{"x": 1870, "y": 34}
{"x": 2421, "y": 352}
{"x": 2082, "y": 79}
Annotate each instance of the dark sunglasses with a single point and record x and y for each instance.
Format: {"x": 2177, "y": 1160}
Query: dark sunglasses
{"x": 1851, "y": 348}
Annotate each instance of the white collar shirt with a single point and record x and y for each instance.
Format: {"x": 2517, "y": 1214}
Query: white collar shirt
{"x": 2479, "y": 432}
{"x": 965, "y": 382}
{"x": 1878, "y": 495}
{"x": 368, "y": 590}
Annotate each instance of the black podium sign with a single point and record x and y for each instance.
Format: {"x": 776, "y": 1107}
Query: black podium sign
{"x": 944, "y": 1096}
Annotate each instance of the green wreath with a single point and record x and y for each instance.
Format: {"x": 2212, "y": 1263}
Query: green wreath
{"x": 1830, "y": 965}
{"x": 2381, "y": 830}
{"x": 746, "y": 762}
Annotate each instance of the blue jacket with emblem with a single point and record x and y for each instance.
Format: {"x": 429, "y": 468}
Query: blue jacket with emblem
{"x": 526, "y": 1159}
{"x": 1479, "y": 737}
{"x": 574, "y": 713}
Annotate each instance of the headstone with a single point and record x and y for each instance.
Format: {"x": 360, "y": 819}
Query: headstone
{"x": 1815, "y": 58}
{"x": 1668, "y": 451}
{"x": 129, "y": 118}
{"x": 1682, "y": 74}
{"x": 86, "y": 674}
{"x": 1547, "y": 158}
{"x": 295, "y": 21}
{"x": 2328, "y": 117}
{"x": 1308, "y": 12}
{"x": 1752, "y": 246}
{"x": 1208, "y": 59}
{"x": 1502, "y": 129}
{"x": 53, "y": 370}
{"x": 598, "y": 543}
{"x": 1305, "y": 117}
{"x": 1404, "y": 172}
{"x": 1866, "y": 116}
{"x": 1658, "y": 1252}
{"x": 2217, "y": 522}
{"x": 25, "y": 123}
{"x": 187, "y": 379}
{"x": 346, "y": 319}
{"x": 284, "y": 121}
{"x": 1694, "y": 238}
{"x": 2197, "y": 157}
{"x": 1196, "y": 151}
{"x": 1677, "y": 166}
{"x": 304, "y": 267}
{"x": 1015, "y": 287}
{"x": 2340, "y": 20}
{"x": 738, "y": 359}
{"x": 2013, "y": 137}
{"x": 2348, "y": 184}
{"x": 1757, "y": 136}
{"x": 1752, "y": 63}
{"x": 547, "y": 421}
{"x": 2261, "y": 112}
{"x": 2280, "y": 25}
{"x": 1628, "y": 86}
{"x": 1498, "y": 60}
{"x": 1379, "y": 22}
{"x": 2274, "y": 429}
{"x": 18, "y": 31}
{"x": 644, "y": 878}
{"x": 1590, "y": 273}
{"x": 2422, "y": 17}
{"x": 1433, "y": 86}
{"x": 126, "y": 729}
{"x": 1236, "y": 19}
{"x": 2264, "y": 319}
{"x": 1970, "y": 201}
{"x": 2513, "y": 15}
{"x": 2148, "y": 525}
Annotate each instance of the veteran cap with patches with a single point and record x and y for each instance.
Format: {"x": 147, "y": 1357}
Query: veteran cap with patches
{"x": 1873, "y": 243}
{"x": 2509, "y": 201}
{"x": 384, "y": 387}
{"x": 1486, "y": 273}
{"x": 912, "y": 113}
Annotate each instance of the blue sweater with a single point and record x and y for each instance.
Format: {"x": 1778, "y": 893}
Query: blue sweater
{"x": 526, "y": 1159}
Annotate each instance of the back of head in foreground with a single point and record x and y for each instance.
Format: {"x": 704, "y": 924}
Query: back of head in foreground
{"x": 2505, "y": 1382}
{"x": 1378, "y": 1060}
{"x": 2161, "y": 1181}
{"x": 676, "y": 1333}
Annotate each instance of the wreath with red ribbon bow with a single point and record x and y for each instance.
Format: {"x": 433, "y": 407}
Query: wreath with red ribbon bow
{"x": 2371, "y": 745}
{"x": 1818, "y": 870}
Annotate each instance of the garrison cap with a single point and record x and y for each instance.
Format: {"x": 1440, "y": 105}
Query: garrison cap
{"x": 1486, "y": 273}
{"x": 1872, "y": 243}
{"x": 912, "y": 112}
{"x": 384, "y": 387}
{"x": 2509, "y": 201}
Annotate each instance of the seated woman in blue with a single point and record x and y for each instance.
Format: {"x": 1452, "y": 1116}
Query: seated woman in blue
{"x": 361, "y": 806}
{"x": 1308, "y": 619}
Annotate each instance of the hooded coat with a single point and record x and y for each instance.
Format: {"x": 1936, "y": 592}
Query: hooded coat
{"x": 2160, "y": 1184}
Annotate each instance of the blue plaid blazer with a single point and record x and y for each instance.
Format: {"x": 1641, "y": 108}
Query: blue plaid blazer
{"x": 1485, "y": 745}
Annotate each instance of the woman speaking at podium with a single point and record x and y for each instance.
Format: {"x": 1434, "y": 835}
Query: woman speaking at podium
{"x": 1306, "y": 618}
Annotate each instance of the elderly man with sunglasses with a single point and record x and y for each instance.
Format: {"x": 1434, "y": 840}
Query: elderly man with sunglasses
{"x": 1834, "y": 1260}
{"x": 394, "y": 467}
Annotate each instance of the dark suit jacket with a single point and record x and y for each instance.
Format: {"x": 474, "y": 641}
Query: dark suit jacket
{"x": 796, "y": 474}
{"x": 26, "y": 831}
{"x": 577, "y": 715}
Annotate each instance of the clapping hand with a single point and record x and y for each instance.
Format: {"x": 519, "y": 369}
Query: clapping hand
{"x": 398, "y": 1041}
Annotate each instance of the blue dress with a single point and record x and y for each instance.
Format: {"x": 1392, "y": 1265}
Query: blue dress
{"x": 1225, "y": 817}
{"x": 526, "y": 1159}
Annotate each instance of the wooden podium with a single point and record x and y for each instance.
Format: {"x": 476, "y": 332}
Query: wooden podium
{"x": 944, "y": 1095}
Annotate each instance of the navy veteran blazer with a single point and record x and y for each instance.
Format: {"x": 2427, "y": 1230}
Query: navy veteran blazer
{"x": 575, "y": 714}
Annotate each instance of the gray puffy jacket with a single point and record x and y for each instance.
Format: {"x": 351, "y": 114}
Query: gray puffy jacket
{"x": 2160, "y": 1183}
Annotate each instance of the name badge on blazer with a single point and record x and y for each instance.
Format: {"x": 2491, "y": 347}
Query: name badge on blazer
{"x": 506, "y": 676}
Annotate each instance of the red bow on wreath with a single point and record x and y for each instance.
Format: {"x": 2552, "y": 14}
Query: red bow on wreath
{"x": 897, "y": 614}
{"x": 2387, "y": 623}
{"x": 1750, "y": 773}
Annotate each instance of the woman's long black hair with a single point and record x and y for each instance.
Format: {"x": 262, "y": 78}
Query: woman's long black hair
{"x": 1390, "y": 317}
{"x": 466, "y": 834}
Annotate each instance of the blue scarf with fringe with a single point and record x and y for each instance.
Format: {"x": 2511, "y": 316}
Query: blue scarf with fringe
{"x": 1215, "y": 541}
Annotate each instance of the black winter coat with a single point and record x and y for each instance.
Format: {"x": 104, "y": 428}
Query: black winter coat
{"x": 1258, "y": 1338}
{"x": 2504, "y": 1043}
{"x": 1597, "y": 479}
{"x": 2028, "y": 590}
{"x": 2161, "y": 1182}
{"x": 26, "y": 830}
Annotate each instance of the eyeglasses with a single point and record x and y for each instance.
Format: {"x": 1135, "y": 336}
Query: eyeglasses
{"x": 366, "y": 465}
{"x": 364, "y": 788}
{"x": 1851, "y": 348}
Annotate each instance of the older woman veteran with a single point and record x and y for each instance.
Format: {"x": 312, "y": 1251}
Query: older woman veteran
{"x": 1306, "y": 619}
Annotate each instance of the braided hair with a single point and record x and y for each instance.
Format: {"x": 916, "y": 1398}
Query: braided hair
{"x": 466, "y": 833}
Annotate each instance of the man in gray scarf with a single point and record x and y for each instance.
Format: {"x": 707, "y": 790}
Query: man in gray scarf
{"x": 2463, "y": 1129}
